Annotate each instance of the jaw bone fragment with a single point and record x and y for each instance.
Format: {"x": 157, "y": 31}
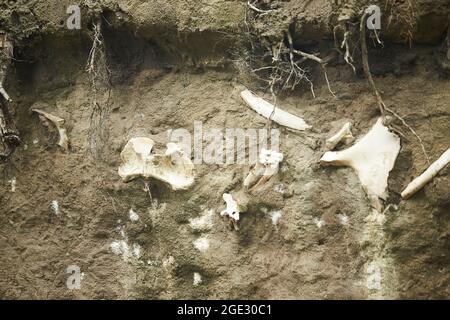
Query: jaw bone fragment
{"x": 266, "y": 109}
{"x": 344, "y": 135}
{"x": 173, "y": 167}
{"x": 429, "y": 174}
{"x": 59, "y": 124}
{"x": 266, "y": 167}
{"x": 372, "y": 158}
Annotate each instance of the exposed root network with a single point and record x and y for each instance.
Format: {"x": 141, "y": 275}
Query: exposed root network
{"x": 99, "y": 75}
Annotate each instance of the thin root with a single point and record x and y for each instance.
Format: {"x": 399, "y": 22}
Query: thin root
{"x": 382, "y": 106}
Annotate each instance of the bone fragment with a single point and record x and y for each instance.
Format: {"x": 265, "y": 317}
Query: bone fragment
{"x": 278, "y": 115}
{"x": 372, "y": 157}
{"x": 235, "y": 204}
{"x": 344, "y": 135}
{"x": 59, "y": 124}
{"x": 172, "y": 167}
{"x": 266, "y": 167}
{"x": 429, "y": 174}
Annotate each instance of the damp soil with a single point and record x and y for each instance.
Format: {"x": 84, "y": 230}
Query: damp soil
{"x": 322, "y": 246}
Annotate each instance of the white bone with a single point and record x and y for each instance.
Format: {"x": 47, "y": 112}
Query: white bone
{"x": 235, "y": 205}
{"x": 232, "y": 209}
{"x": 345, "y": 135}
{"x": 59, "y": 124}
{"x": 4, "y": 93}
{"x": 372, "y": 157}
{"x": 7, "y": 47}
{"x": 266, "y": 109}
{"x": 429, "y": 174}
{"x": 172, "y": 167}
{"x": 266, "y": 167}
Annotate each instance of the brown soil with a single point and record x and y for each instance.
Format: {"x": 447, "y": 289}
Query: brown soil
{"x": 160, "y": 85}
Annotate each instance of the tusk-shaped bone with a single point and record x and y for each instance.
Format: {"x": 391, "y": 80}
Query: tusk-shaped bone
{"x": 372, "y": 157}
{"x": 59, "y": 124}
{"x": 266, "y": 109}
{"x": 425, "y": 177}
{"x": 345, "y": 135}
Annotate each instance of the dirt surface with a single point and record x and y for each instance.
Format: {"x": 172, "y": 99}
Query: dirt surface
{"x": 311, "y": 236}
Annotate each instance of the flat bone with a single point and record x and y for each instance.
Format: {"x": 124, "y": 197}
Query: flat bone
{"x": 266, "y": 109}
{"x": 429, "y": 174}
{"x": 173, "y": 167}
{"x": 372, "y": 157}
{"x": 344, "y": 135}
{"x": 59, "y": 124}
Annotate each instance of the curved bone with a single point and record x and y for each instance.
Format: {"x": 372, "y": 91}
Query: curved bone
{"x": 429, "y": 174}
{"x": 266, "y": 109}
{"x": 173, "y": 167}
{"x": 59, "y": 124}
{"x": 372, "y": 158}
{"x": 345, "y": 135}
{"x": 266, "y": 167}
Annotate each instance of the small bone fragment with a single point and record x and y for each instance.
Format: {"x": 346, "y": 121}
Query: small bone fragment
{"x": 266, "y": 109}
{"x": 6, "y": 54}
{"x": 232, "y": 207}
{"x": 59, "y": 124}
{"x": 197, "y": 279}
{"x": 344, "y": 135}
{"x": 173, "y": 167}
{"x": 266, "y": 167}
{"x": 372, "y": 157}
{"x": 236, "y": 204}
{"x": 429, "y": 174}
{"x": 4, "y": 93}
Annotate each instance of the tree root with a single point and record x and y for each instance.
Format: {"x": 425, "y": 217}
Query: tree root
{"x": 9, "y": 135}
{"x": 381, "y": 105}
{"x": 99, "y": 75}
{"x": 279, "y": 64}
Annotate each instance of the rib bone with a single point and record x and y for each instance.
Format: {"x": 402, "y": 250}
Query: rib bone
{"x": 278, "y": 115}
{"x": 429, "y": 174}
